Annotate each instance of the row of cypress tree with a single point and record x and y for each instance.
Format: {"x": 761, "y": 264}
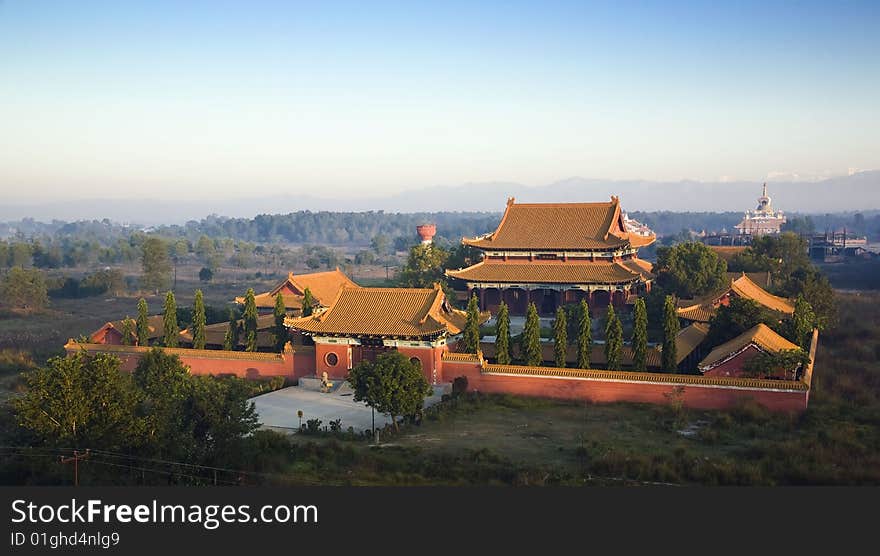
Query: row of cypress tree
{"x": 139, "y": 328}
{"x": 530, "y": 340}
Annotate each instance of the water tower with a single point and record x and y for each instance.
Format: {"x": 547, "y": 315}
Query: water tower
{"x": 426, "y": 233}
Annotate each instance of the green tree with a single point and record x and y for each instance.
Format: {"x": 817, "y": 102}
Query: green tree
{"x": 669, "y": 354}
{"x": 560, "y": 337}
{"x": 198, "y": 321}
{"x": 231, "y": 339}
{"x": 250, "y": 321}
{"x": 817, "y": 291}
{"x": 169, "y": 320}
{"x": 206, "y": 274}
{"x": 802, "y": 322}
{"x": 424, "y": 266}
{"x": 308, "y": 303}
{"x": 735, "y": 318}
{"x": 690, "y": 269}
{"x": 640, "y": 336}
{"x": 143, "y": 323}
{"x": 471, "y": 336}
{"x": 80, "y": 401}
{"x": 530, "y": 341}
{"x": 24, "y": 289}
{"x": 613, "y": 339}
{"x": 392, "y": 384}
{"x": 156, "y": 264}
{"x": 585, "y": 336}
{"x": 783, "y": 364}
{"x": 279, "y": 333}
{"x": 167, "y": 392}
{"x": 128, "y": 331}
{"x": 502, "y": 335}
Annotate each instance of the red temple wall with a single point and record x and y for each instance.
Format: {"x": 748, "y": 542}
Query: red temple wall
{"x": 734, "y": 366}
{"x": 291, "y": 365}
{"x": 696, "y": 397}
{"x": 322, "y": 365}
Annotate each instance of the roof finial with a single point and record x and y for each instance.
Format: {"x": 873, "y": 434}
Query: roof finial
{"x": 765, "y": 189}
{"x": 510, "y": 201}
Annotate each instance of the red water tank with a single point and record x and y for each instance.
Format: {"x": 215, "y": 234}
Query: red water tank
{"x": 427, "y": 232}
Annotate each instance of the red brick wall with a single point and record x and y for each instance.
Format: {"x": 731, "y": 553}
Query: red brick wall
{"x": 338, "y": 371}
{"x": 697, "y": 397}
{"x": 204, "y": 362}
{"x": 430, "y": 358}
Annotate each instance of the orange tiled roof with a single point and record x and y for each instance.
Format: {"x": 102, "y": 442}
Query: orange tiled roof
{"x": 552, "y": 272}
{"x": 688, "y": 338}
{"x": 565, "y": 226}
{"x": 388, "y": 312}
{"x": 703, "y": 309}
{"x": 155, "y": 327}
{"x": 760, "y": 335}
{"x": 323, "y": 286}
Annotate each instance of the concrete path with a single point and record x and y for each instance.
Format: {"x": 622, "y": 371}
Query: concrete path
{"x": 278, "y": 409}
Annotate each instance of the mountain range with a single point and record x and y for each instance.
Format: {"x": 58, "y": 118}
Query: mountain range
{"x": 859, "y": 191}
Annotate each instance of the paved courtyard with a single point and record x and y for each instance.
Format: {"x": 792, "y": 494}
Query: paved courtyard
{"x": 278, "y": 409}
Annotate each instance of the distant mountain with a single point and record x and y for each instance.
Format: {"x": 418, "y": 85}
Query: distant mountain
{"x": 860, "y": 191}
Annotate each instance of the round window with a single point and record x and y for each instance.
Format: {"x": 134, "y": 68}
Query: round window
{"x": 331, "y": 359}
{"x": 415, "y": 360}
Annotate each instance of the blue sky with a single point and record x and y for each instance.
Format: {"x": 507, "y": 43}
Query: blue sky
{"x": 230, "y": 99}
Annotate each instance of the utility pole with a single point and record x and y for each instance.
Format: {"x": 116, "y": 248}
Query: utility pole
{"x": 77, "y": 455}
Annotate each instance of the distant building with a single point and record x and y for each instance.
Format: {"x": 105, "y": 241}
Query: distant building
{"x": 763, "y": 220}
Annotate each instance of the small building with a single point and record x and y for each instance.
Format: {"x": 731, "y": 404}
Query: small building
{"x": 742, "y": 285}
{"x": 362, "y": 323}
{"x": 730, "y": 358}
{"x": 554, "y": 254}
{"x": 112, "y": 333}
{"x": 763, "y": 220}
{"x": 322, "y": 285}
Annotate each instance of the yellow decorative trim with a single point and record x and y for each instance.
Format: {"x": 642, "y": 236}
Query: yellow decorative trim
{"x": 73, "y": 345}
{"x": 670, "y": 378}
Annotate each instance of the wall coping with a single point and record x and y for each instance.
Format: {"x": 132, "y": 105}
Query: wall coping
{"x": 662, "y": 378}
{"x": 73, "y": 345}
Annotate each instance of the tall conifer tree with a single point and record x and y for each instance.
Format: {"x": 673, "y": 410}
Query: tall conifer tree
{"x": 280, "y": 331}
{"x": 471, "y": 339}
{"x": 560, "y": 337}
{"x": 613, "y": 339}
{"x": 502, "y": 335}
{"x": 128, "y": 331}
{"x": 143, "y": 324}
{"x": 531, "y": 338}
{"x": 670, "y": 331}
{"x": 308, "y": 303}
{"x": 640, "y": 336}
{"x": 250, "y": 321}
{"x": 198, "y": 321}
{"x": 230, "y": 341}
{"x": 169, "y": 320}
{"x": 585, "y": 336}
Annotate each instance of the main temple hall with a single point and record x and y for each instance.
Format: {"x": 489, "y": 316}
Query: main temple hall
{"x": 554, "y": 254}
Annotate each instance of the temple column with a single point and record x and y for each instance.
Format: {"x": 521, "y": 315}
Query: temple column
{"x": 482, "y": 299}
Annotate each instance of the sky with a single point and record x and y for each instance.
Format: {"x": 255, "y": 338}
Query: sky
{"x": 202, "y": 100}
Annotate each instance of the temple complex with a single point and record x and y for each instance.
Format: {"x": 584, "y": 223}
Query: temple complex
{"x": 763, "y": 220}
{"x": 322, "y": 285}
{"x": 702, "y": 309}
{"x": 555, "y": 254}
{"x": 361, "y": 323}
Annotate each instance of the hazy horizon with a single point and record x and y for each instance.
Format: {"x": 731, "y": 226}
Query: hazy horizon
{"x": 232, "y": 100}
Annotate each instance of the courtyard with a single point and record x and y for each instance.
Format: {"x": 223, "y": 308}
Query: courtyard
{"x": 278, "y": 409}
